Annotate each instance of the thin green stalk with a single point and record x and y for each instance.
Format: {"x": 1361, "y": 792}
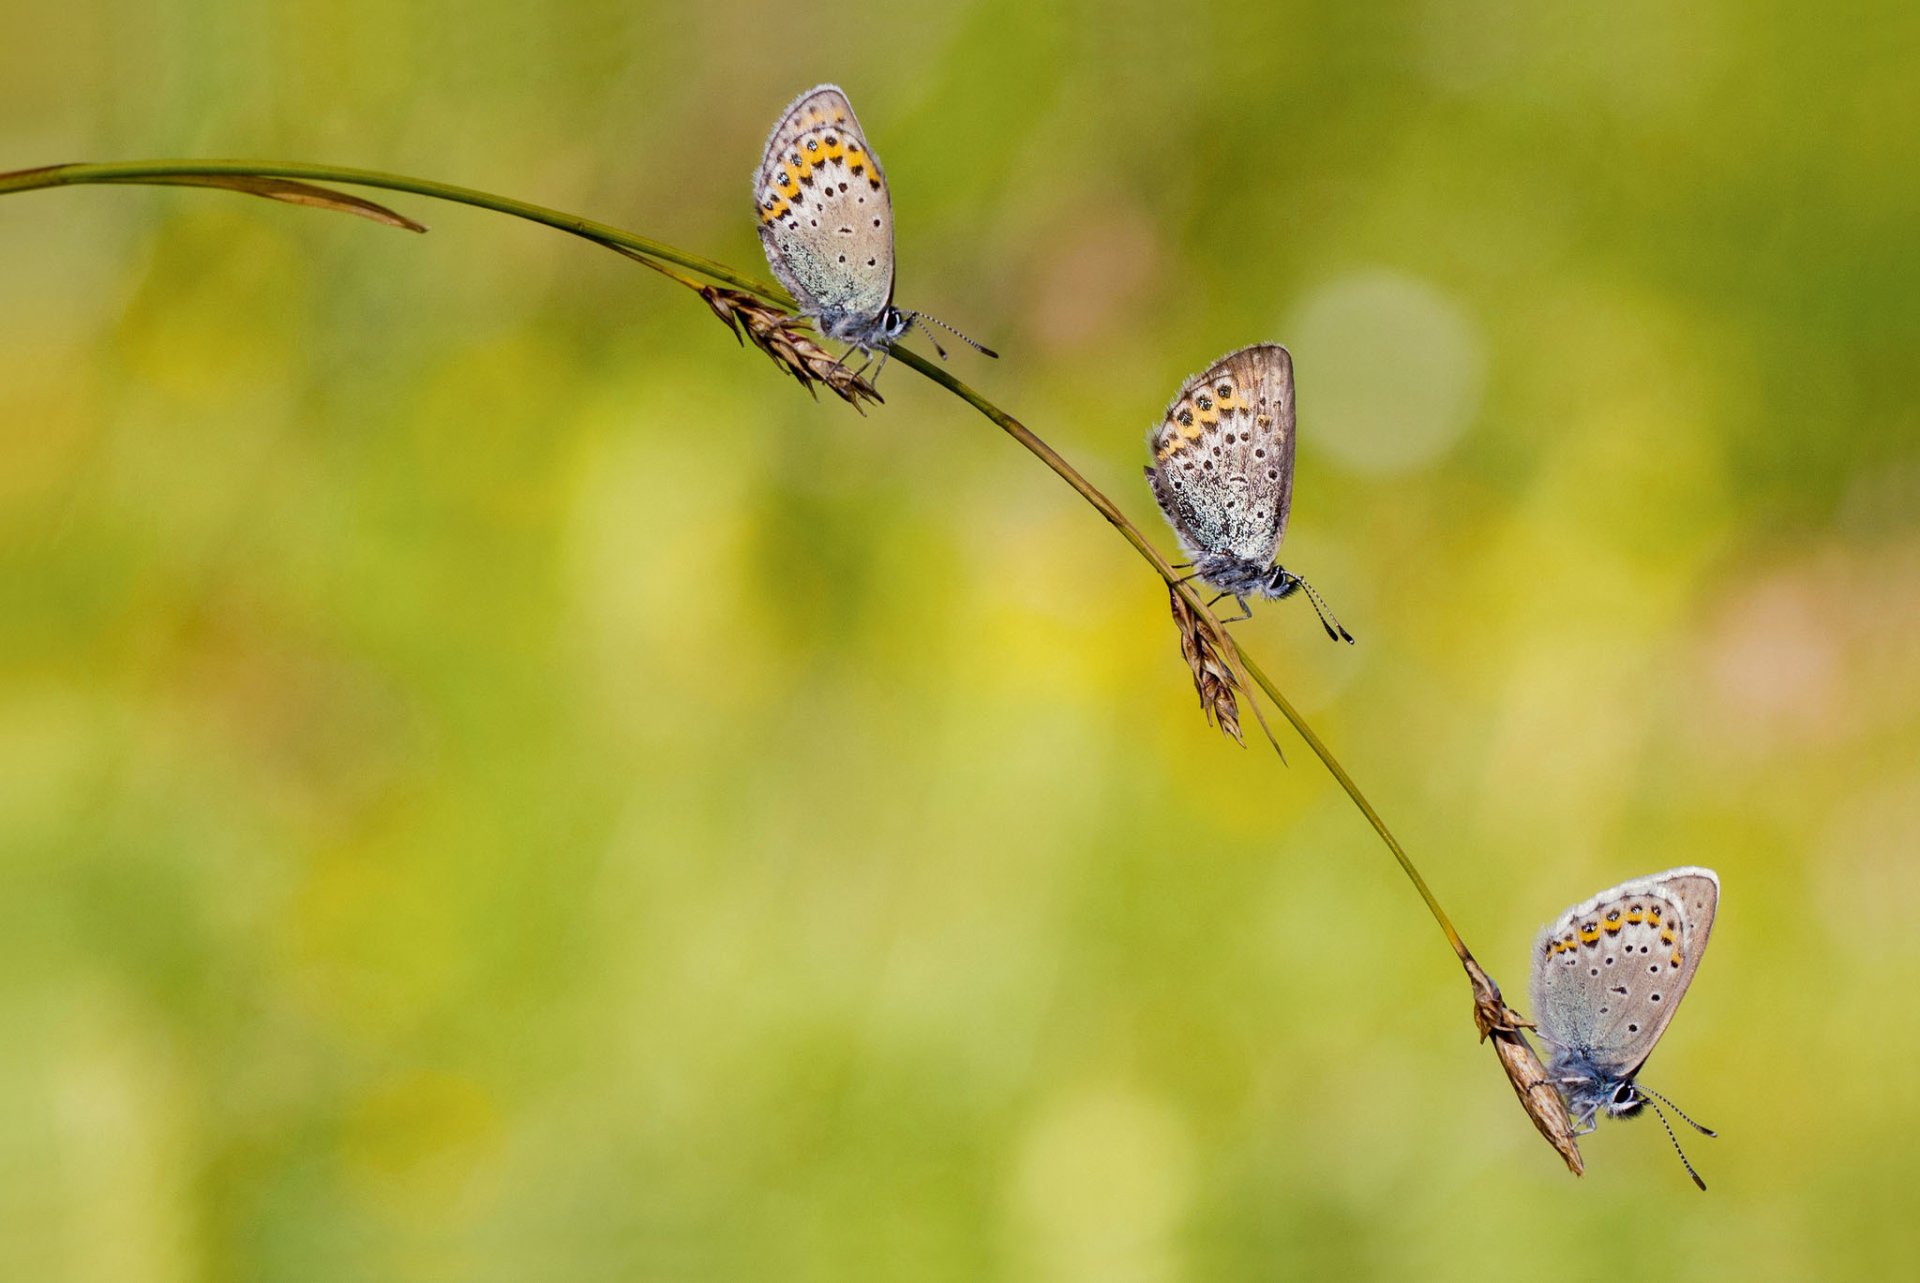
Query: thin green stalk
{"x": 166, "y": 172}
{"x": 1339, "y": 773}
{"x": 293, "y": 182}
{"x": 1132, "y": 534}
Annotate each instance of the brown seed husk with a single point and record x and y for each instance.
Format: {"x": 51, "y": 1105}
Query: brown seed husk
{"x": 783, "y": 337}
{"x": 1212, "y": 678}
{"x": 1538, "y": 1096}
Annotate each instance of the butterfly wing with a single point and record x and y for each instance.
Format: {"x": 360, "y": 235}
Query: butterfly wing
{"x": 826, "y": 222}
{"x": 1223, "y": 455}
{"x": 1609, "y": 972}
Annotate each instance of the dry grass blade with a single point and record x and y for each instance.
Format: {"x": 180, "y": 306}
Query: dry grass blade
{"x": 1538, "y": 1096}
{"x": 285, "y": 189}
{"x": 1212, "y": 678}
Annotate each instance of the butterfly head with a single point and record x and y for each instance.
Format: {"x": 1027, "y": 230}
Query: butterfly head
{"x": 1591, "y": 1089}
{"x": 867, "y": 332}
{"x": 1624, "y": 1100}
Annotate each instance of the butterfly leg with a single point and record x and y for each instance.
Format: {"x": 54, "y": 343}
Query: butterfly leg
{"x": 1246, "y": 611}
{"x": 839, "y": 362}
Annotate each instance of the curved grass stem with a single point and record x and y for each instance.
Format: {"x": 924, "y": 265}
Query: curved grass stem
{"x": 167, "y": 173}
{"x": 293, "y": 182}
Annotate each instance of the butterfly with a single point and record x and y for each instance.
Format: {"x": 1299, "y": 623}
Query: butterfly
{"x": 826, "y": 223}
{"x": 1222, "y": 473}
{"x": 1607, "y": 975}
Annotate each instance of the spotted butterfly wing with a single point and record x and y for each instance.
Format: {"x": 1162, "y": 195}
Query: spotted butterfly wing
{"x": 1223, "y": 455}
{"x": 826, "y": 222}
{"x": 1609, "y": 972}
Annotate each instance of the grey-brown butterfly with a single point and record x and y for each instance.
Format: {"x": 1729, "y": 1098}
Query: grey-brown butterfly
{"x": 1607, "y": 975}
{"x": 826, "y": 223}
{"x": 1222, "y": 473}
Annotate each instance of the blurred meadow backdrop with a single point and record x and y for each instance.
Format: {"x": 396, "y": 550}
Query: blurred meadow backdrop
{"x": 497, "y": 784}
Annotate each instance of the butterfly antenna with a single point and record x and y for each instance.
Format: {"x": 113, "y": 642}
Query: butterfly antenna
{"x": 1662, "y": 1116}
{"x": 920, "y": 319}
{"x": 981, "y": 348}
{"x": 1704, "y": 1131}
{"x": 1327, "y": 621}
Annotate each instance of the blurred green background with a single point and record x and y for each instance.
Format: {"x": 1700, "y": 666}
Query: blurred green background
{"x": 496, "y": 784}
